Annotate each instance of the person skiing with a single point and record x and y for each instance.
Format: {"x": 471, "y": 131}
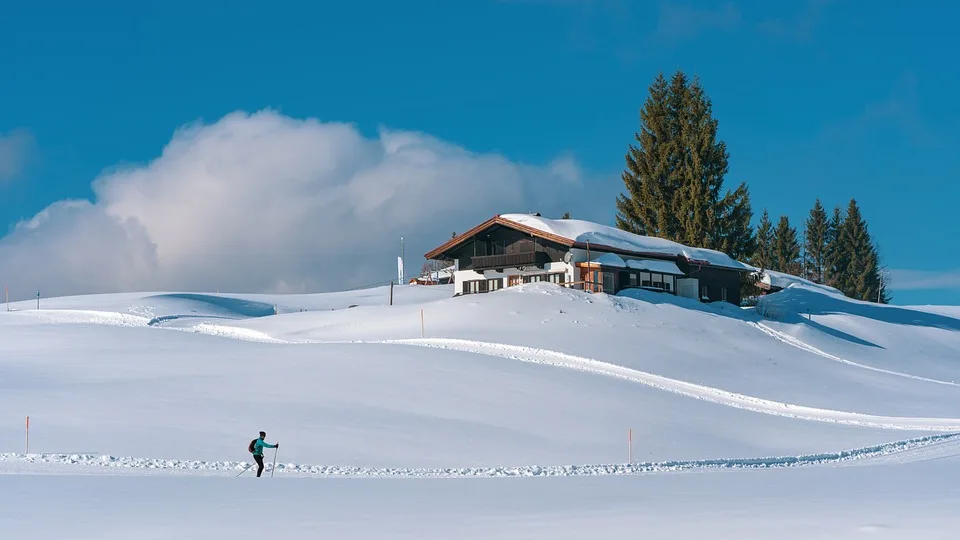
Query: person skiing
{"x": 258, "y": 446}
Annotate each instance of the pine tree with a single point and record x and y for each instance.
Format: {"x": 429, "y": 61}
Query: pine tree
{"x": 815, "y": 244}
{"x": 734, "y": 231}
{"x": 763, "y": 253}
{"x": 786, "y": 248}
{"x": 650, "y": 170}
{"x": 674, "y": 178}
{"x": 861, "y": 278}
{"x": 566, "y": 215}
{"x": 835, "y": 259}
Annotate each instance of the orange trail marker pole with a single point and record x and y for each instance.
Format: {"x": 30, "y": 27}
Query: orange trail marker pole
{"x": 630, "y": 445}
{"x": 27, "y": 449}
{"x": 421, "y": 323}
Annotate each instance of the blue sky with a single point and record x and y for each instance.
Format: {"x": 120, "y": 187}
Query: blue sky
{"x": 814, "y": 98}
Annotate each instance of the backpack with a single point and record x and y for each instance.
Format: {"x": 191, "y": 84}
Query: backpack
{"x": 250, "y": 447}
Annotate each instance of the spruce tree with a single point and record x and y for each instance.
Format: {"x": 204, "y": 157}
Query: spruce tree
{"x": 835, "y": 258}
{"x": 786, "y": 248}
{"x": 861, "y": 278}
{"x": 815, "y": 243}
{"x": 647, "y": 208}
{"x": 763, "y": 253}
{"x": 674, "y": 177}
{"x": 693, "y": 202}
{"x": 734, "y": 230}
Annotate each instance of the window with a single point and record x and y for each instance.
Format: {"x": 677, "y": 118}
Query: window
{"x": 633, "y": 279}
{"x": 554, "y": 277}
{"x": 669, "y": 283}
{"x": 494, "y": 284}
{"x": 608, "y": 283}
{"x": 703, "y": 292}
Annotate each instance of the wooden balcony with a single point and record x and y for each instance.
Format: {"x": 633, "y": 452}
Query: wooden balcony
{"x": 510, "y": 260}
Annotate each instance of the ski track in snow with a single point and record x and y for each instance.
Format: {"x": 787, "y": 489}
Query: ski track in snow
{"x": 795, "y": 342}
{"x": 697, "y": 391}
{"x": 902, "y": 450}
{"x": 588, "y": 365}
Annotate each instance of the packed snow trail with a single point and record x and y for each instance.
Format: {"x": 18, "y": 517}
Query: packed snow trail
{"x": 795, "y": 342}
{"x": 558, "y": 359}
{"x": 901, "y": 448}
{"x": 697, "y": 391}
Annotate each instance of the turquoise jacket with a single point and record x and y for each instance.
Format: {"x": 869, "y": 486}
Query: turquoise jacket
{"x": 260, "y": 445}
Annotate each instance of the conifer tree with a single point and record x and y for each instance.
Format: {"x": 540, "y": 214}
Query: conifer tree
{"x": 861, "y": 278}
{"x": 693, "y": 203}
{"x": 734, "y": 231}
{"x": 786, "y": 248}
{"x": 835, "y": 258}
{"x": 650, "y": 175}
{"x": 674, "y": 177}
{"x": 763, "y": 253}
{"x": 815, "y": 243}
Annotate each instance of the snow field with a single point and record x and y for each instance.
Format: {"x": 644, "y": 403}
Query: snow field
{"x": 839, "y": 426}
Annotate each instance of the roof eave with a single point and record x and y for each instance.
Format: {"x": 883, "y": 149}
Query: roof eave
{"x": 496, "y": 220}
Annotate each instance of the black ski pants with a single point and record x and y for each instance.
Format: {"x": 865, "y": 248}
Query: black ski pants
{"x": 259, "y": 459}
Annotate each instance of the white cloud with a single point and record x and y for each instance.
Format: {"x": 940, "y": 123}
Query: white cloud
{"x": 15, "y": 149}
{"x": 924, "y": 279}
{"x": 265, "y": 202}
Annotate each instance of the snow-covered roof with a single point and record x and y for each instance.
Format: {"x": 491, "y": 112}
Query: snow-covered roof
{"x": 610, "y": 259}
{"x": 783, "y": 281}
{"x": 603, "y": 235}
{"x": 650, "y": 265}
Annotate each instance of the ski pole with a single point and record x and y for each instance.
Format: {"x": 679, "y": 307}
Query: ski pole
{"x": 275, "y": 451}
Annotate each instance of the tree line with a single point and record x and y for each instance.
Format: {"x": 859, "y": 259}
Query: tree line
{"x": 674, "y": 180}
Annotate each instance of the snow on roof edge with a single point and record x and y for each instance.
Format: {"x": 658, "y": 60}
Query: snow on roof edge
{"x": 596, "y": 233}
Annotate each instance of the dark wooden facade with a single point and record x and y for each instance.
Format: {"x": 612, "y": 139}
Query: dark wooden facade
{"x": 502, "y": 247}
{"x": 716, "y": 284}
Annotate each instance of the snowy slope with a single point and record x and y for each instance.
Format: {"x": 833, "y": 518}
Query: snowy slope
{"x": 358, "y": 404}
{"x": 721, "y": 347}
{"x": 535, "y": 380}
{"x": 922, "y": 343}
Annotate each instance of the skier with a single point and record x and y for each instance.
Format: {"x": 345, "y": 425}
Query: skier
{"x": 258, "y": 446}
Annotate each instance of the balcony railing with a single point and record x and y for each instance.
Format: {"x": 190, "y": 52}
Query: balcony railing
{"x": 510, "y": 260}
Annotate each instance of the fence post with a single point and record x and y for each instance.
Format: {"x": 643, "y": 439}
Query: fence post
{"x": 391, "y": 292}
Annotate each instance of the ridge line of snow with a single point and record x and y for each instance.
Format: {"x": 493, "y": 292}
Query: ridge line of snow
{"x": 800, "y": 344}
{"x": 558, "y": 359}
{"x": 697, "y": 391}
{"x": 825, "y": 458}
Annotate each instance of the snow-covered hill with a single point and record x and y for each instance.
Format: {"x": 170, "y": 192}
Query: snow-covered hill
{"x": 535, "y": 380}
